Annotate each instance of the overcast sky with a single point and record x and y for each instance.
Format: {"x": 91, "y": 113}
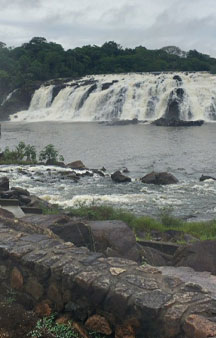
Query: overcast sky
{"x": 188, "y": 24}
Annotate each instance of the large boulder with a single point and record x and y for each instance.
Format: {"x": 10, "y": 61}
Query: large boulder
{"x": 114, "y": 238}
{"x": 173, "y": 115}
{"x": 199, "y": 255}
{"x": 76, "y": 165}
{"x": 118, "y": 177}
{"x": 162, "y": 178}
{"x": 155, "y": 257}
{"x": 4, "y": 183}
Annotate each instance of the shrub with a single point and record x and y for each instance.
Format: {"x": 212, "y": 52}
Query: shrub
{"x": 22, "y": 153}
{"x": 47, "y": 326}
{"x": 49, "y": 153}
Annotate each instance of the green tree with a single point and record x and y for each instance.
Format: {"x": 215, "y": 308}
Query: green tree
{"x": 50, "y": 154}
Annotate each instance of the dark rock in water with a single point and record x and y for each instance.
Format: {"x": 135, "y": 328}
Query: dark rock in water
{"x": 172, "y": 116}
{"x": 125, "y": 170}
{"x": 164, "y": 122}
{"x": 76, "y": 165}
{"x": 19, "y": 191}
{"x": 119, "y": 177}
{"x": 86, "y": 95}
{"x": 200, "y": 256}
{"x": 204, "y": 178}
{"x": 98, "y": 172}
{"x": 107, "y": 85}
{"x": 86, "y": 173}
{"x": 175, "y": 100}
{"x": 4, "y": 183}
{"x": 122, "y": 122}
{"x": 56, "y": 163}
{"x": 162, "y": 178}
{"x": 57, "y": 89}
{"x": 115, "y": 235}
{"x": 177, "y": 78}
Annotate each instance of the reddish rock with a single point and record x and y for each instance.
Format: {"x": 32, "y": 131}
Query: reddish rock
{"x": 16, "y": 279}
{"x": 43, "y": 309}
{"x": 197, "y": 326}
{"x": 34, "y": 288}
{"x": 55, "y": 296}
{"x": 98, "y": 324}
{"x": 80, "y": 330}
{"x": 125, "y": 331}
{"x": 64, "y": 319}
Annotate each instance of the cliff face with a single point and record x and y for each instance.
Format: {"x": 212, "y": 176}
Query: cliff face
{"x": 18, "y": 100}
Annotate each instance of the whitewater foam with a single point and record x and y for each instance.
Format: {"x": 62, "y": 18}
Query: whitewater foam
{"x": 144, "y": 96}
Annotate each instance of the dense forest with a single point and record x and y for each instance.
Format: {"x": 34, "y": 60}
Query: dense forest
{"x": 40, "y": 60}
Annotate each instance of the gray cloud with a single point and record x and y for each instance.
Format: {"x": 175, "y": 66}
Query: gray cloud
{"x": 154, "y": 24}
{"x": 19, "y": 4}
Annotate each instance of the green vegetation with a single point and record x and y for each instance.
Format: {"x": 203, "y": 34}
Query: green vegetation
{"x": 40, "y": 60}
{"x": 49, "y": 153}
{"x": 10, "y": 297}
{"x": 47, "y": 326}
{"x": 26, "y": 154}
{"x": 202, "y": 230}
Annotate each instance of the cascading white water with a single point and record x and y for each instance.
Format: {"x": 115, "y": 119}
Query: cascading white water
{"x": 144, "y": 96}
{"x": 8, "y": 97}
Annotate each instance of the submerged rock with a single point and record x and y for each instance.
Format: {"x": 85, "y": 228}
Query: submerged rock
{"x": 118, "y": 177}
{"x": 177, "y": 78}
{"x": 162, "y": 178}
{"x": 206, "y": 177}
{"x": 4, "y": 183}
{"x": 122, "y": 122}
{"x": 165, "y": 122}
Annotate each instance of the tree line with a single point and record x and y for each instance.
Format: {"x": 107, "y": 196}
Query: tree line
{"x": 40, "y": 60}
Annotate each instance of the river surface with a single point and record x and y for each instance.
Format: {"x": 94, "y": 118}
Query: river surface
{"x": 187, "y": 153}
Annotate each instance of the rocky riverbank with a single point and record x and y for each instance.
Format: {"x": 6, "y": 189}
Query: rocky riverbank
{"x": 113, "y": 296}
{"x": 97, "y": 276}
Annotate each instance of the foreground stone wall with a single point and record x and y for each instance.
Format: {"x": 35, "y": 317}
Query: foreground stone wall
{"x": 111, "y": 294}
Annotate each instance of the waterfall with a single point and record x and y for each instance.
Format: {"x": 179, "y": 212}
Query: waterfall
{"x": 145, "y": 96}
{"x": 8, "y": 97}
